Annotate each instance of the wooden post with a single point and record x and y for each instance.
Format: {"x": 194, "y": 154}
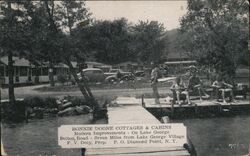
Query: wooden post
{"x": 83, "y": 150}
{"x": 196, "y": 109}
{"x": 172, "y": 108}
{"x": 219, "y": 108}
{"x": 165, "y": 119}
{"x": 142, "y": 100}
{"x": 230, "y": 106}
{"x": 161, "y": 110}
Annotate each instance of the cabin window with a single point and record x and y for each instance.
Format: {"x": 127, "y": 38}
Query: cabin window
{"x": 1, "y": 71}
{"x": 6, "y": 71}
{"x": 36, "y": 71}
{"x": 16, "y": 71}
{"x": 55, "y": 71}
{"x": 17, "y": 79}
{"x": 23, "y": 71}
{"x": 45, "y": 71}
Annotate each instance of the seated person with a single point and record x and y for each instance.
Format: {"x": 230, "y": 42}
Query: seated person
{"x": 179, "y": 91}
{"x": 195, "y": 86}
{"x": 222, "y": 88}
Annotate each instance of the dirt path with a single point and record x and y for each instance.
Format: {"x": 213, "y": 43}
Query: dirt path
{"x": 22, "y": 92}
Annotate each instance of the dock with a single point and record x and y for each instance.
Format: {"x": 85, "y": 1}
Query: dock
{"x": 197, "y": 108}
{"x": 128, "y": 110}
{"x": 149, "y": 103}
{"x": 131, "y": 110}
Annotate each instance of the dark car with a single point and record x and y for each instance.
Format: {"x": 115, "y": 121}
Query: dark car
{"x": 114, "y": 71}
{"x": 92, "y": 75}
{"x": 139, "y": 74}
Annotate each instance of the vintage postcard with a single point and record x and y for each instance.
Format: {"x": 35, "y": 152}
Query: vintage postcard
{"x": 125, "y": 78}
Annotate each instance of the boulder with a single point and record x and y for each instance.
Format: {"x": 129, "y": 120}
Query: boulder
{"x": 59, "y": 102}
{"x": 68, "y": 111}
{"x": 65, "y": 101}
{"x": 66, "y": 105}
{"x": 83, "y": 109}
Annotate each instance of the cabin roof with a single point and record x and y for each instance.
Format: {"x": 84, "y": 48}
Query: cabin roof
{"x": 26, "y": 63}
{"x": 179, "y": 62}
{"x": 17, "y": 61}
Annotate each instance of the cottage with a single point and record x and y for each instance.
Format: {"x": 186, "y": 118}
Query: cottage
{"x": 22, "y": 70}
{"x": 27, "y": 72}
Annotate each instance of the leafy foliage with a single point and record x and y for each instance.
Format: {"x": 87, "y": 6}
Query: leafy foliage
{"x": 71, "y": 14}
{"x": 107, "y": 41}
{"x": 150, "y": 41}
{"x": 215, "y": 33}
{"x": 14, "y": 31}
{"x": 117, "y": 41}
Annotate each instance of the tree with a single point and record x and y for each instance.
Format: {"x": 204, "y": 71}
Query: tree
{"x": 150, "y": 41}
{"x": 215, "y": 33}
{"x": 108, "y": 41}
{"x": 13, "y": 40}
{"x": 66, "y": 15}
{"x": 72, "y": 13}
{"x": 41, "y": 36}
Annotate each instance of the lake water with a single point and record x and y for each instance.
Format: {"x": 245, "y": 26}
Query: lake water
{"x": 224, "y": 136}
{"x": 211, "y": 137}
{"x": 39, "y": 137}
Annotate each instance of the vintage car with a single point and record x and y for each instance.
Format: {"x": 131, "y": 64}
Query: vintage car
{"x": 114, "y": 71}
{"x": 92, "y": 75}
{"x": 116, "y": 75}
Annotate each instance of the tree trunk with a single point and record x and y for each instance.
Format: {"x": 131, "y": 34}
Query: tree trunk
{"x": 84, "y": 88}
{"x": 79, "y": 84}
{"x": 51, "y": 74}
{"x": 12, "y": 107}
{"x": 11, "y": 81}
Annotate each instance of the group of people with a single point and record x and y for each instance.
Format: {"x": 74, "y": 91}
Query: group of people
{"x": 194, "y": 88}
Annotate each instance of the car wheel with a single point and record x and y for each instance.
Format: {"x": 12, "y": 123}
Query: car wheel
{"x": 112, "y": 80}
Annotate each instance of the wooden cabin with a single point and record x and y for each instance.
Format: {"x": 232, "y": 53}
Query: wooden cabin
{"x": 26, "y": 72}
{"x": 22, "y": 70}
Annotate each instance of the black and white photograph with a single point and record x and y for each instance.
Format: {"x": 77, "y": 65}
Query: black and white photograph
{"x": 125, "y": 77}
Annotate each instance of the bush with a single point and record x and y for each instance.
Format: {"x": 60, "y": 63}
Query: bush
{"x": 35, "y": 101}
{"x": 76, "y": 101}
{"x": 50, "y": 102}
{"x": 62, "y": 78}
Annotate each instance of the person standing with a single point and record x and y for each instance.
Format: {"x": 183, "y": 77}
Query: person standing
{"x": 155, "y": 74}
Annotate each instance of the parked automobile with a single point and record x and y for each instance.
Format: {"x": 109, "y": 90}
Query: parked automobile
{"x": 115, "y": 78}
{"x": 92, "y": 75}
{"x": 119, "y": 75}
{"x": 139, "y": 74}
{"x": 114, "y": 71}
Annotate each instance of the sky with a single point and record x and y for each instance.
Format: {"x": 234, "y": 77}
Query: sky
{"x": 166, "y": 12}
